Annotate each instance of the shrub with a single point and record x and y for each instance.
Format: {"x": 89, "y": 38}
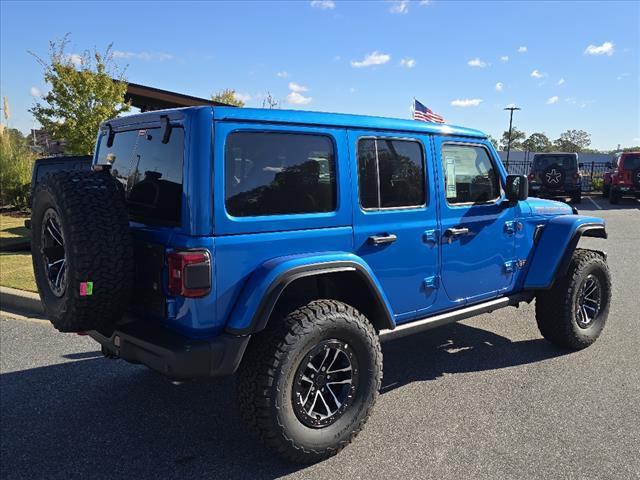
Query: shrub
{"x": 596, "y": 184}
{"x": 16, "y": 164}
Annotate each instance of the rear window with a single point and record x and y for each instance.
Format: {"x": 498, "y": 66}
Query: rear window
{"x": 541, "y": 162}
{"x": 631, "y": 162}
{"x": 150, "y": 172}
{"x": 279, "y": 174}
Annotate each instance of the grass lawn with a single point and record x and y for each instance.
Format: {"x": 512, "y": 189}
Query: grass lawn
{"x": 12, "y": 230}
{"x": 16, "y": 271}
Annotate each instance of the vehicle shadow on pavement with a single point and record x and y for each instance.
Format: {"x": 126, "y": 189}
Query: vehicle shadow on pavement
{"x": 97, "y": 418}
{"x": 457, "y": 348}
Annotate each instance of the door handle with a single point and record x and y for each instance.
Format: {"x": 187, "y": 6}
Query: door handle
{"x": 452, "y": 233}
{"x": 382, "y": 239}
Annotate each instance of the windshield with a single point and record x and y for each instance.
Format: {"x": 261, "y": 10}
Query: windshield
{"x": 631, "y": 162}
{"x": 543, "y": 161}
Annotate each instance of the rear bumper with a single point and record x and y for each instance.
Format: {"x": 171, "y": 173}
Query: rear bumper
{"x": 625, "y": 189}
{"x": 539, "y": 189}
{"x": 171, "y": 354}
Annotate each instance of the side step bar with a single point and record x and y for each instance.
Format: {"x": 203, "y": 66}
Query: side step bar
{"x": 454, "y": 316}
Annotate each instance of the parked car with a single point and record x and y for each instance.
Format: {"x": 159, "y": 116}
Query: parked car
{"x": 556, "y": 175}
{"x": 285, "y": 246}
{"x": 623, "y": 177}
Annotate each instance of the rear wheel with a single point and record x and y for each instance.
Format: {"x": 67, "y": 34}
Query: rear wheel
{"x": 605, "y": 190}
{"x": 308, "y": 383}
{"x": 576, "y": 197}
{"x": 574, "y": 311}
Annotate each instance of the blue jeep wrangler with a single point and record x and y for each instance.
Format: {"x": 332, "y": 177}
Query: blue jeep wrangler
{"x": 285, "y": 245}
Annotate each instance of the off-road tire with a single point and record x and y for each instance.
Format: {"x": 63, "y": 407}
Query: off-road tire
{"x": 614, "y": 196}
{"x": 605, "y": 191}
{"x": 266, "y": 378}
{"x": 576, "y": 197}
{"x": 97, "y": 248}
{"x": 556, "y": 308}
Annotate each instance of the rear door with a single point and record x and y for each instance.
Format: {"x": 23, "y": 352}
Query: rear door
{"x": 395, "y": 220}
{"x": 478, "y": 227}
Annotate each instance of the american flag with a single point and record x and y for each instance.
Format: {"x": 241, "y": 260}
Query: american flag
{"x": 424, "y": 114}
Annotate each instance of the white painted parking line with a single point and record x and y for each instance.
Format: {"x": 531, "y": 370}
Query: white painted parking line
{"x": 594, "y": 202}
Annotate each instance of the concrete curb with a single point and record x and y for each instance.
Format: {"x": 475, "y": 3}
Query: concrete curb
{"x": 21, "y": 301}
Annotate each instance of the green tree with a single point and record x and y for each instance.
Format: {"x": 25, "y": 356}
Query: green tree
{"x": 228, "y": 96}
{"x": 16, "y": 163}
{"x": 537, "y": 142}
{"x": 82, "y": 95}
{"x": 573, "y": 141}
{"x": 493, "y": 141}
{"x": 517, "y": 138}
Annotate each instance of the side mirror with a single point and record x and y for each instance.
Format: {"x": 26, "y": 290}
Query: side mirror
{"x": 517, "y": 188}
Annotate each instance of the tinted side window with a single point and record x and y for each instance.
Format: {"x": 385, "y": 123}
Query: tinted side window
{"x": 391, "y": 173}
{"x": 149, "y": 170}
{"x": 279, "y": 173}
{"x": 470, "y": 176}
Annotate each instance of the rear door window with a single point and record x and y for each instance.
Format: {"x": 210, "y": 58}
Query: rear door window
{"x": 150, "y": 172}
{"x": 272, "y": 173}
{"x": 391, "y": 173}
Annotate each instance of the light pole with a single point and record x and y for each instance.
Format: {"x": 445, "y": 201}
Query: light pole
{"x": 511, "y": 109}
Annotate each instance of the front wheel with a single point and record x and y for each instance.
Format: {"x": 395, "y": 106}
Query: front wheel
{"x": 308, "y": 383}
{"x": 614, "y": 196}
{"x": 573, "y": 312}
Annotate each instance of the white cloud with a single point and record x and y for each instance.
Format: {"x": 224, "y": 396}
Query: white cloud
{"x": 400, "y": 6}
{"x": 552, "y": 100}
{"x": 522, "y": 49}
{"x": 34, "y": 92}
{"x": 353, "y": 90}
{"x": 510, "y": 105}
{"x": 75, "y": 58}
{"x": 466, "y": 102}
{"x": 476, "y": 62}
{"x": 504, "y": 58}
{"x": 374, "y": 58}
{"x": 294, "y": 87}
{"x": 560, "y": 82}
{"x": 408, "y": 62}
{"x": 605, "y": 49}
{"x": 323, "y": 4}
{"x": 243, "y": 97}
{"x": 536, "y": 74}
{"x": 295, "y": 98}
{"x": 145, "y": 56}
{"x": 424, "y": 3}
{"x": 499, "y": 87}
{"x": 282, "y": 74}
{"x": 622, "y": 76}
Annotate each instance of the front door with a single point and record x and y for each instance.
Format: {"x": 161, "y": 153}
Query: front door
{"x": 477, "y": 222}
{"x": 395, "y": 220}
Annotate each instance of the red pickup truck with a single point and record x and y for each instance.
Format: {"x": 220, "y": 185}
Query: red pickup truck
{"x": 623, "y": 177}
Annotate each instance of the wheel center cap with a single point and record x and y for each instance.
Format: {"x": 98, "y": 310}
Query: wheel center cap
{"x": 320, "y": 380}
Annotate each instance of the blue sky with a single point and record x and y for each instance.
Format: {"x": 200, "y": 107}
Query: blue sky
{"x": 567, "y": 64}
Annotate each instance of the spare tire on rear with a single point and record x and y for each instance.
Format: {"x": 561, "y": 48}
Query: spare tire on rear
{"x": 82, "y": 250}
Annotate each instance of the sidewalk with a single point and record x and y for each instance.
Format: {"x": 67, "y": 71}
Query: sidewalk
{"x": 19, "y": 301}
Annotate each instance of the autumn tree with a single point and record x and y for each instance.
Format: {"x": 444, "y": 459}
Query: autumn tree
{"x": 82, "y": 95}
{"x": 228, "y": 96}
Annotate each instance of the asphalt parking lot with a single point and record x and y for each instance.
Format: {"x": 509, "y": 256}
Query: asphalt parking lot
{"x": 486, "y": 398}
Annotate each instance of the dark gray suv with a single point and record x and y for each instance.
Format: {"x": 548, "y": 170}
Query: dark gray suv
{"x": 556, "y": 175}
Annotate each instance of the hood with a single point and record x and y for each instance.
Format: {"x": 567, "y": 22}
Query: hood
{"x": 548, "y": 208}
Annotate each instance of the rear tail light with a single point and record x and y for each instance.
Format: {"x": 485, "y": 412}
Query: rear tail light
{"x": 531, "y": 176}
{"x": 189, "y": 273}
{"x": 576, "y": 175}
